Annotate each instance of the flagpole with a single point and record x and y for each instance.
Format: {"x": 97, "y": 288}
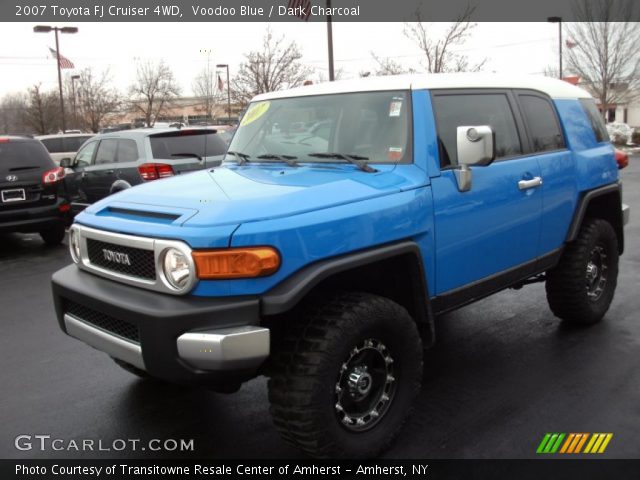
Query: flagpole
{"x": 330, "y": 43}
{"x": 64, "y": 126}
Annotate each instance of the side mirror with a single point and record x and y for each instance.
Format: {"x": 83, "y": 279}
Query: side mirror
{"x": 65, "y": 162}
{"x": 476, "y": 146}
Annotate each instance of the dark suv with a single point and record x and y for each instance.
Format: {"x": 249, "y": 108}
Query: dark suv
{"x": 32, "y": 193}
{"x": 112, "y": 162}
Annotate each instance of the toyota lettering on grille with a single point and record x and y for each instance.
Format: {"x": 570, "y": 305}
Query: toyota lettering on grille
{"x": 117, "y": 257}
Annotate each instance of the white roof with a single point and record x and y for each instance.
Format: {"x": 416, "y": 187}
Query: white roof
{"x": 553, "y": 87}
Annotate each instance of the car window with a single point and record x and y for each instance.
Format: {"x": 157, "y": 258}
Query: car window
{"x": 127, "y": 151}
{"x": 53, "y": 145}
{"x": 373, "y": 125}
{"x": 107, "y": 151}
{"x": 72, "y": 144}
{"x": 453, "y": 111}
{"x": 85, "y": 155}
{"x": 543, "y": 123}
{"x": 179, "y": 144}
{"x": 595, "y": 117}
{"x": 23, "y": 155}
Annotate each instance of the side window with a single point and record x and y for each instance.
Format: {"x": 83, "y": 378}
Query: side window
{"x": 493, "y": 109}
{"x": 595, "y": 117}
{"x": 543, "y": 123}
{"x": 85, "y": 154}
{"x": 54, "y": 145}
{"x": 127, "y": 151}
{"x": 107, "y": 151}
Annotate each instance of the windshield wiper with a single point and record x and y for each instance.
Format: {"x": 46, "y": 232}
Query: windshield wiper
{"x": 187, "y": 154}
{"x": 242, "y": 158}
{"x": 288, "y": 159}
{"x": 358, "y": 160}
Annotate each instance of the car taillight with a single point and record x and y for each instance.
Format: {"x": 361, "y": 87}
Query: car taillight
{"x": 52, "y": 176}
{"x": 154, "y": 171}
{"x": 622, "y": 159}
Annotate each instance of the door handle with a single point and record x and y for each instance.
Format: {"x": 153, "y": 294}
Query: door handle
{"x": 526, "y": 184}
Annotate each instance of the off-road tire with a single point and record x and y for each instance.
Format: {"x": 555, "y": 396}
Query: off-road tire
{"x": 307, "y": 366}
{"x": 53, "y": 236}
{"x": 566, "y": 284}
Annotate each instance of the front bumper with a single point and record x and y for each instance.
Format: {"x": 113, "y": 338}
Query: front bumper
{"x": 189, "y": 340}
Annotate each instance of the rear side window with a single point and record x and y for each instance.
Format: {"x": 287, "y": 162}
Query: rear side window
{"x": 453, "y": 111}
{"x": 107, "y": 151}
{"x": 179, "y": 144}
{"x": 127, "y": 151}
{"x": 53, "y": 145}
{"x": 23, "y": 155}
{"x": 73, "y": 144}
{"x": 543, "y": 124}
{"x": 597, "y": 123}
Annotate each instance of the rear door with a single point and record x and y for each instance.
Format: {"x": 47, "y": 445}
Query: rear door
{"x": 495, "y": 227}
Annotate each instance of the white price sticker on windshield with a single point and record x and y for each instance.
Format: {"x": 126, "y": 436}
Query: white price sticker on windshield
{"x": 395, "y": 108}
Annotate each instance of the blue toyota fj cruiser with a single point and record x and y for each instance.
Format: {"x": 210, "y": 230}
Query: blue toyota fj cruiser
{"x": 345, "y": 217}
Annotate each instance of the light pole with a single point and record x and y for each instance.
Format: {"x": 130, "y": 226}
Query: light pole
{"x": 558, "y": 20}
{"x": 47, "y": 29}
{"x": 73, "y": 96}
{"x": 330, "y": 43}
{"x": 226, "y": 65}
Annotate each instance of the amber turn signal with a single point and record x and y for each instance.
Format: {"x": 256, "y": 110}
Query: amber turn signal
{"x": 236, "y": 263}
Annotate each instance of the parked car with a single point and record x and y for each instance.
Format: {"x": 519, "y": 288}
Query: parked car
{"x": 64, "y": 144}
{"x": 32, "y": 194}
{"x": 323, "y": 262}
{"x": 113, "y": 162}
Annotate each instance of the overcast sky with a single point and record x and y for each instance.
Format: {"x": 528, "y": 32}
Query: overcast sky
{"x": 25, "y": 58}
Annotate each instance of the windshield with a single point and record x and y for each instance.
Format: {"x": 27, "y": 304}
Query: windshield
{"x": 375, "y": 126}
{"x": 187, "y": 143}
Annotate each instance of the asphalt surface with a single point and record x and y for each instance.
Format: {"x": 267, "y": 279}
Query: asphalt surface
{"x": 504, "y": 372}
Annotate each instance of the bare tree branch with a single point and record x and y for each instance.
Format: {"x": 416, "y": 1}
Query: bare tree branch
{"x": 153, "y": 90}
{"x": 606, "y": 55}
{"x": 95, "y": 98}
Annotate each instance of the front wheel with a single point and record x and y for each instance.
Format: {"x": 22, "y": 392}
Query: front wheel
{"x": 344, "y": 377}
{"x": 581, "y": 287}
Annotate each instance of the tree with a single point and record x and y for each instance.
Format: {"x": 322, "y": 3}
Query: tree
{"x": 277, "y": 66}
{"x": 388, "y": 66}
{"x": 437, "y": 49}
{"x": 606, "y": 55}
{"x": 12, "y": 108}
{"x": 95, "y": 98}
{"x": 205, "y": 87}
{"x": 153, "y": 90}
{"x": 42, "y": 113}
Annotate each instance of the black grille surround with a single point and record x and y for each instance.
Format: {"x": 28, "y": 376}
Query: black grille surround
{"x": 103, "y": 321}
{"x": 142, "y": 262}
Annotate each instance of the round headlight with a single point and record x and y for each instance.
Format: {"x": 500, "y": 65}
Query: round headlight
{"x": 74, "y": 244}
{"x": 176, "y": 268}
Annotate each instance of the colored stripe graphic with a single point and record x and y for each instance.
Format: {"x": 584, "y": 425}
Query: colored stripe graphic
{"x": 574, "y": 443}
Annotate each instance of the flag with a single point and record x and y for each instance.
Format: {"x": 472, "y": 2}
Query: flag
{"x": 64, "y": 61}
{"x": 570, "y": 44}
{"x": 220, "y": 84}
{"x": 301, "y": 8}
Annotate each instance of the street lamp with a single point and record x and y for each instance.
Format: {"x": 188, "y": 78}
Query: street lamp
{"x": 47, "y": 29}
{"x": 225, "y": 65}
{"x": 558, "y": 20}
{"x": 73, "y": 95}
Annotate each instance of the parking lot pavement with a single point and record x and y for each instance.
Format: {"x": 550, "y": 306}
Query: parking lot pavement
{"x": 503, "y": 373}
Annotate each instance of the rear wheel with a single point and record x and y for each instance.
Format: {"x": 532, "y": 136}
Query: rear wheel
{"x": 345, "y": 377}
{"x": 53, "y": 236}
{"x": 581, "y": 287}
